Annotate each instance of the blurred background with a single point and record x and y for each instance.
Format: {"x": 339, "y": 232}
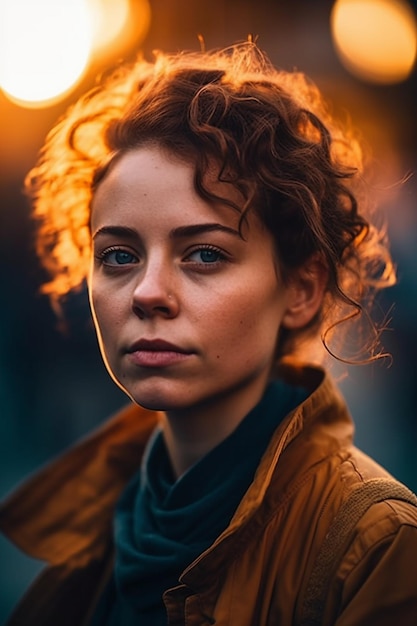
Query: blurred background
{"x": 53, "y": 386}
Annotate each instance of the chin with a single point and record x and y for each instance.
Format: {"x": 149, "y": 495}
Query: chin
{"x": 156, "y": 404}
{"x": 160, "y": 393}
{"x": 156, "y": 399}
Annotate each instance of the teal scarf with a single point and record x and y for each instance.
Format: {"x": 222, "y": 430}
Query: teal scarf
{"x": 163, "y": 524}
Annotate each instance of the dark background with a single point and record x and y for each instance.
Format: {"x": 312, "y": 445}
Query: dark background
{"x": 53, "y": 386}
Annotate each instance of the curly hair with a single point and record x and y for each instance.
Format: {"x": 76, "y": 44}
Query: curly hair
{"x": 272, "y": 137}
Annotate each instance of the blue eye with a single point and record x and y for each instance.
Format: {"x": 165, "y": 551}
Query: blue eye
{"x": 209, "y": 256}
{"x": 118, "y": 257}
{"x": 206, "y": 256}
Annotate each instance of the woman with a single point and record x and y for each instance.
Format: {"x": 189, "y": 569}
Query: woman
{"x": 212, "y": 206}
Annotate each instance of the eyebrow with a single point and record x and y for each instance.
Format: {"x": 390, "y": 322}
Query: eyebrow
{"x": 117, "y": 231}
{"x": 177, "y": 233}
{"x": 197, "y": 229}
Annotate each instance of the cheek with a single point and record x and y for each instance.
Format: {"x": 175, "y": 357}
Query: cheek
{"x": 105, "y": 315}
{"x": 249, "y": 323}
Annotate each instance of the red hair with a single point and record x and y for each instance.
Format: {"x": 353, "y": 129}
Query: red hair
{"x": 271, "y": 136}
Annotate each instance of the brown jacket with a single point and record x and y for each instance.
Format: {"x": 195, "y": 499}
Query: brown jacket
{"x": 257, "y": 572}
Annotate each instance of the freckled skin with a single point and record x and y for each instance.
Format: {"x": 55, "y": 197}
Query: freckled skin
{"x": 225, "y": 314}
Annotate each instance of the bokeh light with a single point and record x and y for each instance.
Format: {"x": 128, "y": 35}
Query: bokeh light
{"x": 118, "y": 25}
{"x": 44, "y": 48}
{"x": 376, "y": 40}
{"x": 47, "y": 46}
{"x": 108, "y": 18}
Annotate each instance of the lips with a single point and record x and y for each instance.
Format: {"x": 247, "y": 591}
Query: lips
{"x": 156, "y": 353}
{"x": 155, "y": 345}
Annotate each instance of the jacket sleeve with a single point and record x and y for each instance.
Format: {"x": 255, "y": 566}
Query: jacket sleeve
{"x": 376, "y": 582}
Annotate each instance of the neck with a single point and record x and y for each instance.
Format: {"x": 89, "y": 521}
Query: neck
{"x": 192, "y": 433}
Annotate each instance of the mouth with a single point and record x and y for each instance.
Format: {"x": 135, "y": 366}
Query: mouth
{"x": 156, "y": 353}
{"x": 155, "y": 345}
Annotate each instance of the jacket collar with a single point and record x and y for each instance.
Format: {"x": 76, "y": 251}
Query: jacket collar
{"x": 317, "y": 428}
{"x": 66, "y": 510}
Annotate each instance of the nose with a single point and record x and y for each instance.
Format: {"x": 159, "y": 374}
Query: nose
{"x": 155, "y": 293}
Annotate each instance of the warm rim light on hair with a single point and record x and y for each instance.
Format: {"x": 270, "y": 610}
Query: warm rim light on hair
{"x": 375, "y": 39}
{"x": 44, "y": 49}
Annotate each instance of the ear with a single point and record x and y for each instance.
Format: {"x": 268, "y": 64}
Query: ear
{"x": 306, "y": 288}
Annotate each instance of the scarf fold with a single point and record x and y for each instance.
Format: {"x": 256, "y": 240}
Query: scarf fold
{"x": 162, "y": 524}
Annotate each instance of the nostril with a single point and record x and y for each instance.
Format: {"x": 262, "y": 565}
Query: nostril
{"x": 145, "y": 311}
{"x": 139, "y": 312}
{"x": 163, "y": 309}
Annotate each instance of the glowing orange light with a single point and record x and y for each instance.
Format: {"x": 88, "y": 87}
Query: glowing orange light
{"x": 108, "y": 19}
{"x": 118, "y": 23}
{"x": 44, "y": 48}
{"x": 375, "y": 39}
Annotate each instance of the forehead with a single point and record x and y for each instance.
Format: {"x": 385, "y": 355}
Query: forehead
{"x": 154, "y": 181}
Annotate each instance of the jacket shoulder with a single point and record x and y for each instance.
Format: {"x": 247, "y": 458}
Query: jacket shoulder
{"x": 66, "y": 505}
{"x": 360, "y": 528}
{"x": 366, "y": 567}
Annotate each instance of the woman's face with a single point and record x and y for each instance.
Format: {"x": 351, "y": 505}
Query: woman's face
{"x": 187, "y": 312}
